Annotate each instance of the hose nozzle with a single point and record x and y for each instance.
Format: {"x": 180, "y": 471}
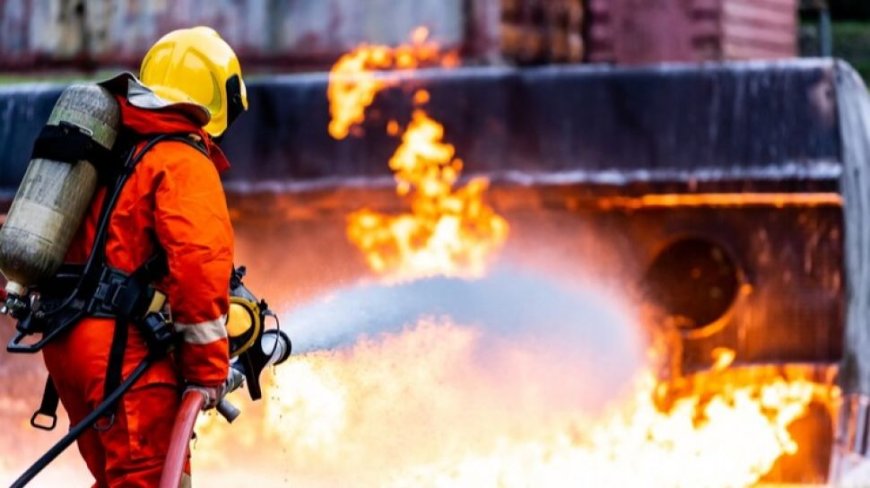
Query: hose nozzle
{"x": 276, "y": 346}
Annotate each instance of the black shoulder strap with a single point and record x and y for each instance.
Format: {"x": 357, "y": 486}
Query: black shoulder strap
{"x": 98, "y": 254}
{"x": 93, "y": 270}
{"x": 138, "y": 281}
{"x": 68, "y": 143}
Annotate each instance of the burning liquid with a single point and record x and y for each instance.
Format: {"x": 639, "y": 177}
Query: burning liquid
{"x": 421, "y": 408}
{"x": 448, "y": 232}
{"x": 728, "y": 436}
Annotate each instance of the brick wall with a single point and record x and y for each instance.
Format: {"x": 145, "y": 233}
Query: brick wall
{"x": 753, "y": 29}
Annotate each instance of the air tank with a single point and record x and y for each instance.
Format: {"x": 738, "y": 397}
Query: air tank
{"x": 54, "y": 195}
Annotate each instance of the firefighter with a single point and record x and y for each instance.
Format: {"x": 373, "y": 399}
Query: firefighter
{"x": 172, "y": 205}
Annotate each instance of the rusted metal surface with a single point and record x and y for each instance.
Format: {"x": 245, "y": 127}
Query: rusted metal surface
{"x": 312, "y": 34}
{"x": 542, "y": 30}
{"x": 651, "y": 30}
{"x": 759, "y": 29}
{"x": 39, "y": 33}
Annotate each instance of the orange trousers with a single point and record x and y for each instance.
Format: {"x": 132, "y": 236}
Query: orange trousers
{"x": 129, "y": 449}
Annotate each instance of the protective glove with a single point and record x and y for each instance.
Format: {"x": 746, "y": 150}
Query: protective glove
{"x": 212, "y": 394}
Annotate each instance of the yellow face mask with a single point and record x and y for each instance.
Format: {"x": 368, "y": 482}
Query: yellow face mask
{"x": 244, "y": 323}
{"x": 252, "y": 346}
{"x": 245, "y": 316}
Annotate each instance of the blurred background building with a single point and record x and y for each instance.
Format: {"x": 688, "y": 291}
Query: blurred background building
{"x": 310, "y": 34}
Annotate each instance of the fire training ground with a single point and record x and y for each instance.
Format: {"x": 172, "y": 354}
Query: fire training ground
{"x": 693, "y": 167}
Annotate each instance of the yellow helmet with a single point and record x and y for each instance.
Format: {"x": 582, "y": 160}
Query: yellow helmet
{"x": 196, "y": 66}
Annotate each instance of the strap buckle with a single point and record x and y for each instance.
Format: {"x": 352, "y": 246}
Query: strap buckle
{"x": 47, "y": 426}
{"x": 110, "y": 288}
{"x": 47, "y": 408}
{"x": 121, "y": 295}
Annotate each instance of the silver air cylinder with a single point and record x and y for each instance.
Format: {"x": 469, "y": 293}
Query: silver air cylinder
{"x": 54, "y": 195}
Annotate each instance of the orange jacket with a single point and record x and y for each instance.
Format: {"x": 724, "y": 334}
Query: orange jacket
{"x": 174, "y": 199}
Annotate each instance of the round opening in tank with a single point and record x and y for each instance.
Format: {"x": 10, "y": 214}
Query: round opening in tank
{"x": 693, "y": 281}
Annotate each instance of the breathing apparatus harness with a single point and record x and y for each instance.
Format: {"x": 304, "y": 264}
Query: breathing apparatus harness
{"x": 97, "y": 290}
{"x": 94, "y": 289}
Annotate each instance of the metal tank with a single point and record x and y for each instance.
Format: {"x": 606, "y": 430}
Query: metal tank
{"x": 53, "y": 196}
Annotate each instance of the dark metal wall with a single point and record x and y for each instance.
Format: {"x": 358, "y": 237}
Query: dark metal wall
{"x": 746, "y": 123}
{"x": 714, "y": 122}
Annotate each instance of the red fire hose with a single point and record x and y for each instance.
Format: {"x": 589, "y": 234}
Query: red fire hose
{"x": 179, "y": 447}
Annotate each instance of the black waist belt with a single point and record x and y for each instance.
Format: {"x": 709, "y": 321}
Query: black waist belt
{"x": 115, "y": 294}
{"x": 124, "y": 297}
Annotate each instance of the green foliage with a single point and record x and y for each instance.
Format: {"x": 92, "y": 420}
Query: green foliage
{"x": 852, "y": 43}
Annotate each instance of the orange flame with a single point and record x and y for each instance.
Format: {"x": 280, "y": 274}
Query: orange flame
{"x": 418, "y": 408}
{"x": 449, "y": 231}
{"x": 353, "y": 82}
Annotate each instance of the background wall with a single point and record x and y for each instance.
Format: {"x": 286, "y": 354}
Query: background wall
{"x": 274, "y": 35}
{"x": 39, "y": 33}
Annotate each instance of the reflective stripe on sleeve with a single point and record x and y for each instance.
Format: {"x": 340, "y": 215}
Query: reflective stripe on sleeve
{"x": 203, "y": 332}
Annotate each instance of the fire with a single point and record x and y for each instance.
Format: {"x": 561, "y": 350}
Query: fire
{"x": 450, "y": 231}
{"x": 425, "y": 407}
{"x": 353, "y": 82}
{"x": 447, "y": 404}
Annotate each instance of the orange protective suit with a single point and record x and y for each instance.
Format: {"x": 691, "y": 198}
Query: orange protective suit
{"x": 173, "y": 199}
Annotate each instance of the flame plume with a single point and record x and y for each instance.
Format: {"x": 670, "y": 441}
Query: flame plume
{"x": 445, "y": 404}
{"x": 353, "y": 82}
{"x": 449, "y": 231}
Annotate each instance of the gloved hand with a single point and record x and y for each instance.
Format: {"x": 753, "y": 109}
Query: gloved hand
{"x": 212, "y": 394}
